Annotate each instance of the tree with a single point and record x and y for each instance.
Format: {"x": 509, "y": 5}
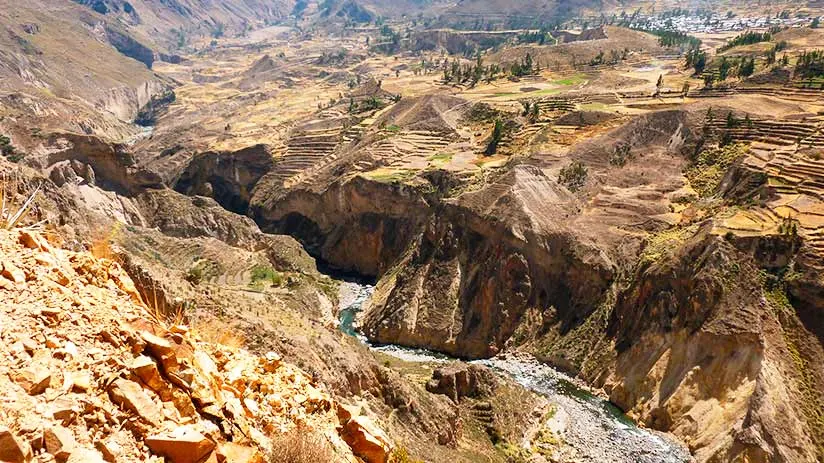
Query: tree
{"x": 747, "y": 67}
{"x": 497, "y": 135}
{"x": 724, "y": 69}
{"x": 698, "y": 60}
{"x": 708, "y": 80}
{"x": 732, "y": 122}
{"x": 816, "y": 22}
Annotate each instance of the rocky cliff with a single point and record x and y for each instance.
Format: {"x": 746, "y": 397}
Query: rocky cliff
{"x": 91, "y": 374}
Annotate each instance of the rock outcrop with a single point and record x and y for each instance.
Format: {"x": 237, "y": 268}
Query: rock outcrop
{"x": 91, "y": 374}
{"x": 461, "y": 380}
{"x": 701, "y": 338}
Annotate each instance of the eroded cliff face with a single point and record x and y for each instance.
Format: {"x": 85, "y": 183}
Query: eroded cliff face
{"x": 464, "y": 285}
{"x": 227, "y": 177}
{"x": 705, "y": 351}
{"x": 355, "y": 225}
{"x": 455, "y": 276}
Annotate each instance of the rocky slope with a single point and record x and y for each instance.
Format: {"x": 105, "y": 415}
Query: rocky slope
{"x": 66, "y": 67}
{"x": 174, "y": 24}
{"x": 92, "y": 374}
{"x": 194, "y": 260}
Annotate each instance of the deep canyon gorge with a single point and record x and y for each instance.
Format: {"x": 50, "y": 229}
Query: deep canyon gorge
{"x": 419, "y": 231}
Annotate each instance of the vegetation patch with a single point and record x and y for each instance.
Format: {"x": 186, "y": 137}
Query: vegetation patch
{"x": 263, "y": 275}
{"x": 9, "y": 151}
{"x": 573, "y": 176}
{"x": 574, "y": 79}
{"x": 401, "y": 455}
{"x": 440, "y": 159}
{"x": 708, "y": 169}
{"x": 663, "y": 243}
{"x": 545, "y": 443}
{"x": 390, "y": 175}
{"x": 747, "y": 38}
{"x": 513, "y": 453}
{"x": 481, "y": 112}
{"x": 810, "y": 399}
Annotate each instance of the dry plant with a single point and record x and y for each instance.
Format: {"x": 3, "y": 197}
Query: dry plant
{"x": 102, "y": 243}
{"x": 10, "y": 215}
{"x": 216, "y": 332}
{"x": 300, "y": 446}
{"x": 162, "y": 312}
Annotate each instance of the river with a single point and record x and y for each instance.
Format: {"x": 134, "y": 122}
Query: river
{"x": 592, "y": 429}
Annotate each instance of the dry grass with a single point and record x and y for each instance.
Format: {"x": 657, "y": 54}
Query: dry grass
{"x": 217, "y": 332}
{"x": 10, "y": 214}
{"x": 102, "y": 243}
{"x": 300, "y": 446}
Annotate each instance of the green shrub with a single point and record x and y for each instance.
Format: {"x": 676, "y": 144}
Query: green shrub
{"x": 495, "y": 139}
{"x": 264, "y": 274}
{"x": 195, "y": 275}
{"x": 574, "y": 176}
{"x": 621, "y": 155}
{"x": 401, "y": 455}
{"x": 706, "y": 173}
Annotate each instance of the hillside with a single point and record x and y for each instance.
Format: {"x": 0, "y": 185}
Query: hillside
{"x": 60, "y": 68}
{"x": 411, "y": 232}
{"x": 91, "y": 374}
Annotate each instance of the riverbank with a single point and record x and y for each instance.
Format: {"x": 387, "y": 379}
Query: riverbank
{"x": 583, "y": 427}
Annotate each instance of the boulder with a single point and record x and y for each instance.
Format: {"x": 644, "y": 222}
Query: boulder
{"x": 12, "y": 449}
{"x": 33, "y": 240}
{"x": 236, "y": 453}
{"x": 110, "y": 449}
{"x": 34, "y": 379}
{"x": 366, "y": 440}
{"x": 131, "y": 396}
{"x": 146, "y": 369}
{"x": 183, "y": 445}
{"x": 11, "y": 272}
{"x": 85, "y": 456}
{"x": 59, "y": 442}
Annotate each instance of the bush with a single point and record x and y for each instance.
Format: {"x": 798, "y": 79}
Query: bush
{"x": 495, "y": 139}
{"x": 8, "y": 150}
{"x": 401, "y": 455}
{"x": 621, "y": 155}
{"x": 195, "y": 275}
{"x": 573, "y": 176}
{"x": 708, "y": 169}
{"x": 299, "y": 446}
{"x": 262, "y": 274}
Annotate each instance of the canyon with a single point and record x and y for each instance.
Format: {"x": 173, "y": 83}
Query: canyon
{"x": 543, "y": 212}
